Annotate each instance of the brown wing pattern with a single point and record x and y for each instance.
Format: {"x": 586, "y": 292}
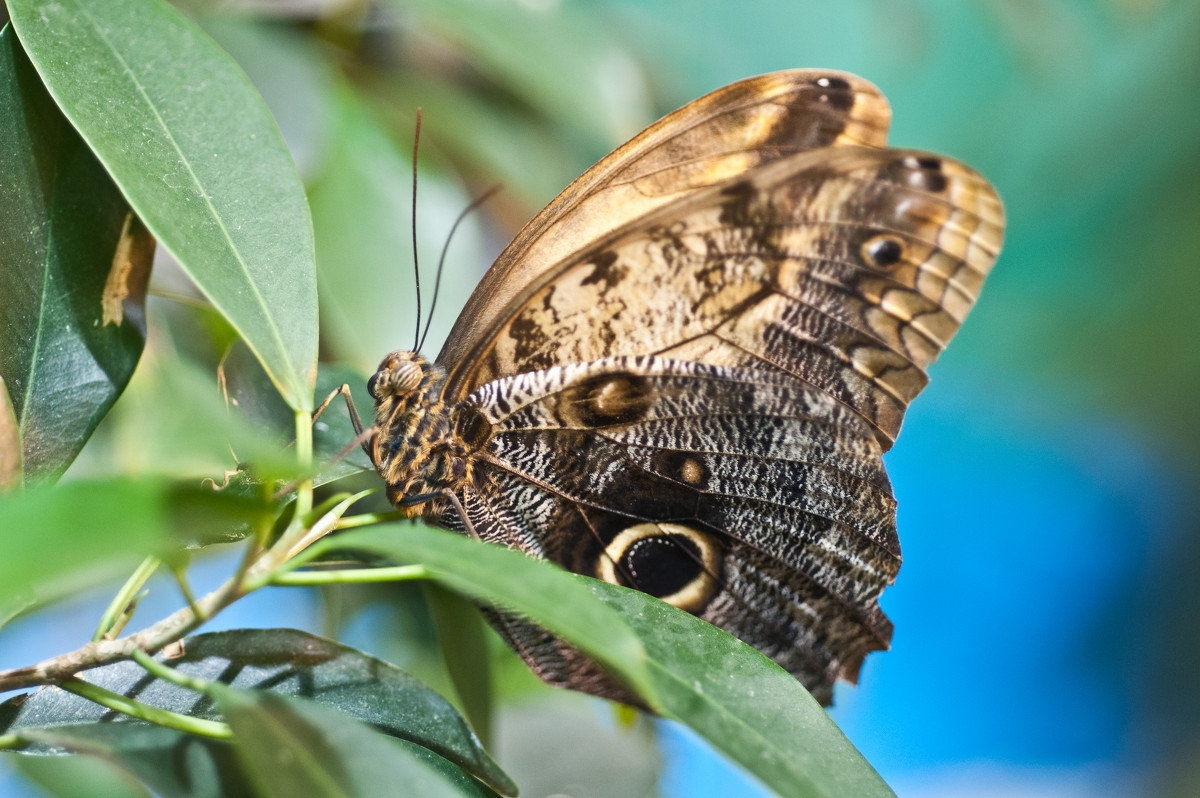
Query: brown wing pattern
{"x": 778, "y": 489}
{"x": 723, "y": 134}
{"x": 848, "y": 268}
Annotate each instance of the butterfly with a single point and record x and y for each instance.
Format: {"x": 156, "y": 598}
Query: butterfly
{"x": 682, "y": 375}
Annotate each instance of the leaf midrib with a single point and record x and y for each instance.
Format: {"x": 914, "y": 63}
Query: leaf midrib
{"x": 204, "y": 195}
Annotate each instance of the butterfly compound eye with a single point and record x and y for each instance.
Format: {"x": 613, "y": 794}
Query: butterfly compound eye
{"x": 398, "y": 375}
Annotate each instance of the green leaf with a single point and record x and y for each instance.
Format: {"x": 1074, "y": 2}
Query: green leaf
{"x": 259, "y": 409}
{"x": 190, "y": 143}
{"x": 507, "y": 579}
{"x": 282, "y": 661}
{"x": 72, "y": 286}
{"x": 174, "y": 422}
{"x": 744, "y": 704}
{"x": 289, "y": 747}
{"x": 56, "y": 540}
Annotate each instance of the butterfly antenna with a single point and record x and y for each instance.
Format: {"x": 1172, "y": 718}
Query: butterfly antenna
{"x": 416, "y": 266}
{"x": 437, "y": 281}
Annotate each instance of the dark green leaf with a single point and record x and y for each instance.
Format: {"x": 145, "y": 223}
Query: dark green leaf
{"x": 744, "y": 704}
{"x": 283, "y": 662}
{"x": 510, "y": 580}
{"x": 73, "y": 283}
{"x": 192, "y": 146}
{"x": 290, "y": 747}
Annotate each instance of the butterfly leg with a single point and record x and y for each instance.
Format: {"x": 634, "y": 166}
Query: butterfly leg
{"x": 362, "y": 436}
{"x": 447, "y": 494}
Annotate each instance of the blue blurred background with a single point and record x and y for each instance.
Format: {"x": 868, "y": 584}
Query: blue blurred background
{"x": 1047, "y": 612}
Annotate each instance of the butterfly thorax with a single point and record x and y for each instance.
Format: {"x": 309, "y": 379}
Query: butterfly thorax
{"x": 415, "y": 450}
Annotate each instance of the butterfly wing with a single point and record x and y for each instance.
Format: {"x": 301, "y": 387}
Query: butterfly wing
{"x": 846, "y": 268}
{"x": 723, "y": 134}
{"x": 746, "y": 497}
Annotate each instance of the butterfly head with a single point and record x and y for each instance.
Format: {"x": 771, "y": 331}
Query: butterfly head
{"x": 399, "y": 375}
{"x": 413, "y": 450}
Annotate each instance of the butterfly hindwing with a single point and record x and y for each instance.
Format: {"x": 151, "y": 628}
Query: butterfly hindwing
{"x": 743, "y": 496}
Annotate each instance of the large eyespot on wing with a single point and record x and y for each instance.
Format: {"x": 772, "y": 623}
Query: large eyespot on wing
{"x": 745, "y": 497}
{"x": 723, "y": 134}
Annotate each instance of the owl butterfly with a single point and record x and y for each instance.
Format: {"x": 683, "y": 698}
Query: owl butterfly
{"x": 682, "y": 375}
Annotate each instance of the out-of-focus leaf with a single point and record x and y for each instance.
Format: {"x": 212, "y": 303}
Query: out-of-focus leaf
{"x": 483, "y": 138}
{"x": 289, "y": 747}
{"x": 514, "y": 582}
{"x": 572, "y": 746}
{"x": 289, "y": 70}
{"x": 73, "y": 282}
{"x": 362, "y": 206}
{"x": 192, "y": 146}
{"x": 257, "y": 405}
{"x": 172, "y": 763}
{"x": 744, "y": 704}
{"x": 57, "y": 540}
{"x": 281, "y": 661}
{"x": 581, "y": 73}
{"x": 176, "y": 423}
{"x": 79, "y": 776}
{"x": 461, "y": 632}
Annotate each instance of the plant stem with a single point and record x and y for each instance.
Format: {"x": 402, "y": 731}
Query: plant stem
{"x": 161, "y": 717}
{"x": 257, "y": 568}
{"x": 398, "y": 573}
{"x": 366, "y": 519}
{"x": 169, "y": 674}
{"x": 125, "y": 596}
{"x": 304, "y": 452}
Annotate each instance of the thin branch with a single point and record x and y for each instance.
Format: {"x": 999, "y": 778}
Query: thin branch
{"x": 102, "y": 652}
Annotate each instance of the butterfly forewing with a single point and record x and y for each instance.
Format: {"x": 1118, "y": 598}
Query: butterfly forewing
{"x": 848, "y": 268}
{"x": 723, "y": 134}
